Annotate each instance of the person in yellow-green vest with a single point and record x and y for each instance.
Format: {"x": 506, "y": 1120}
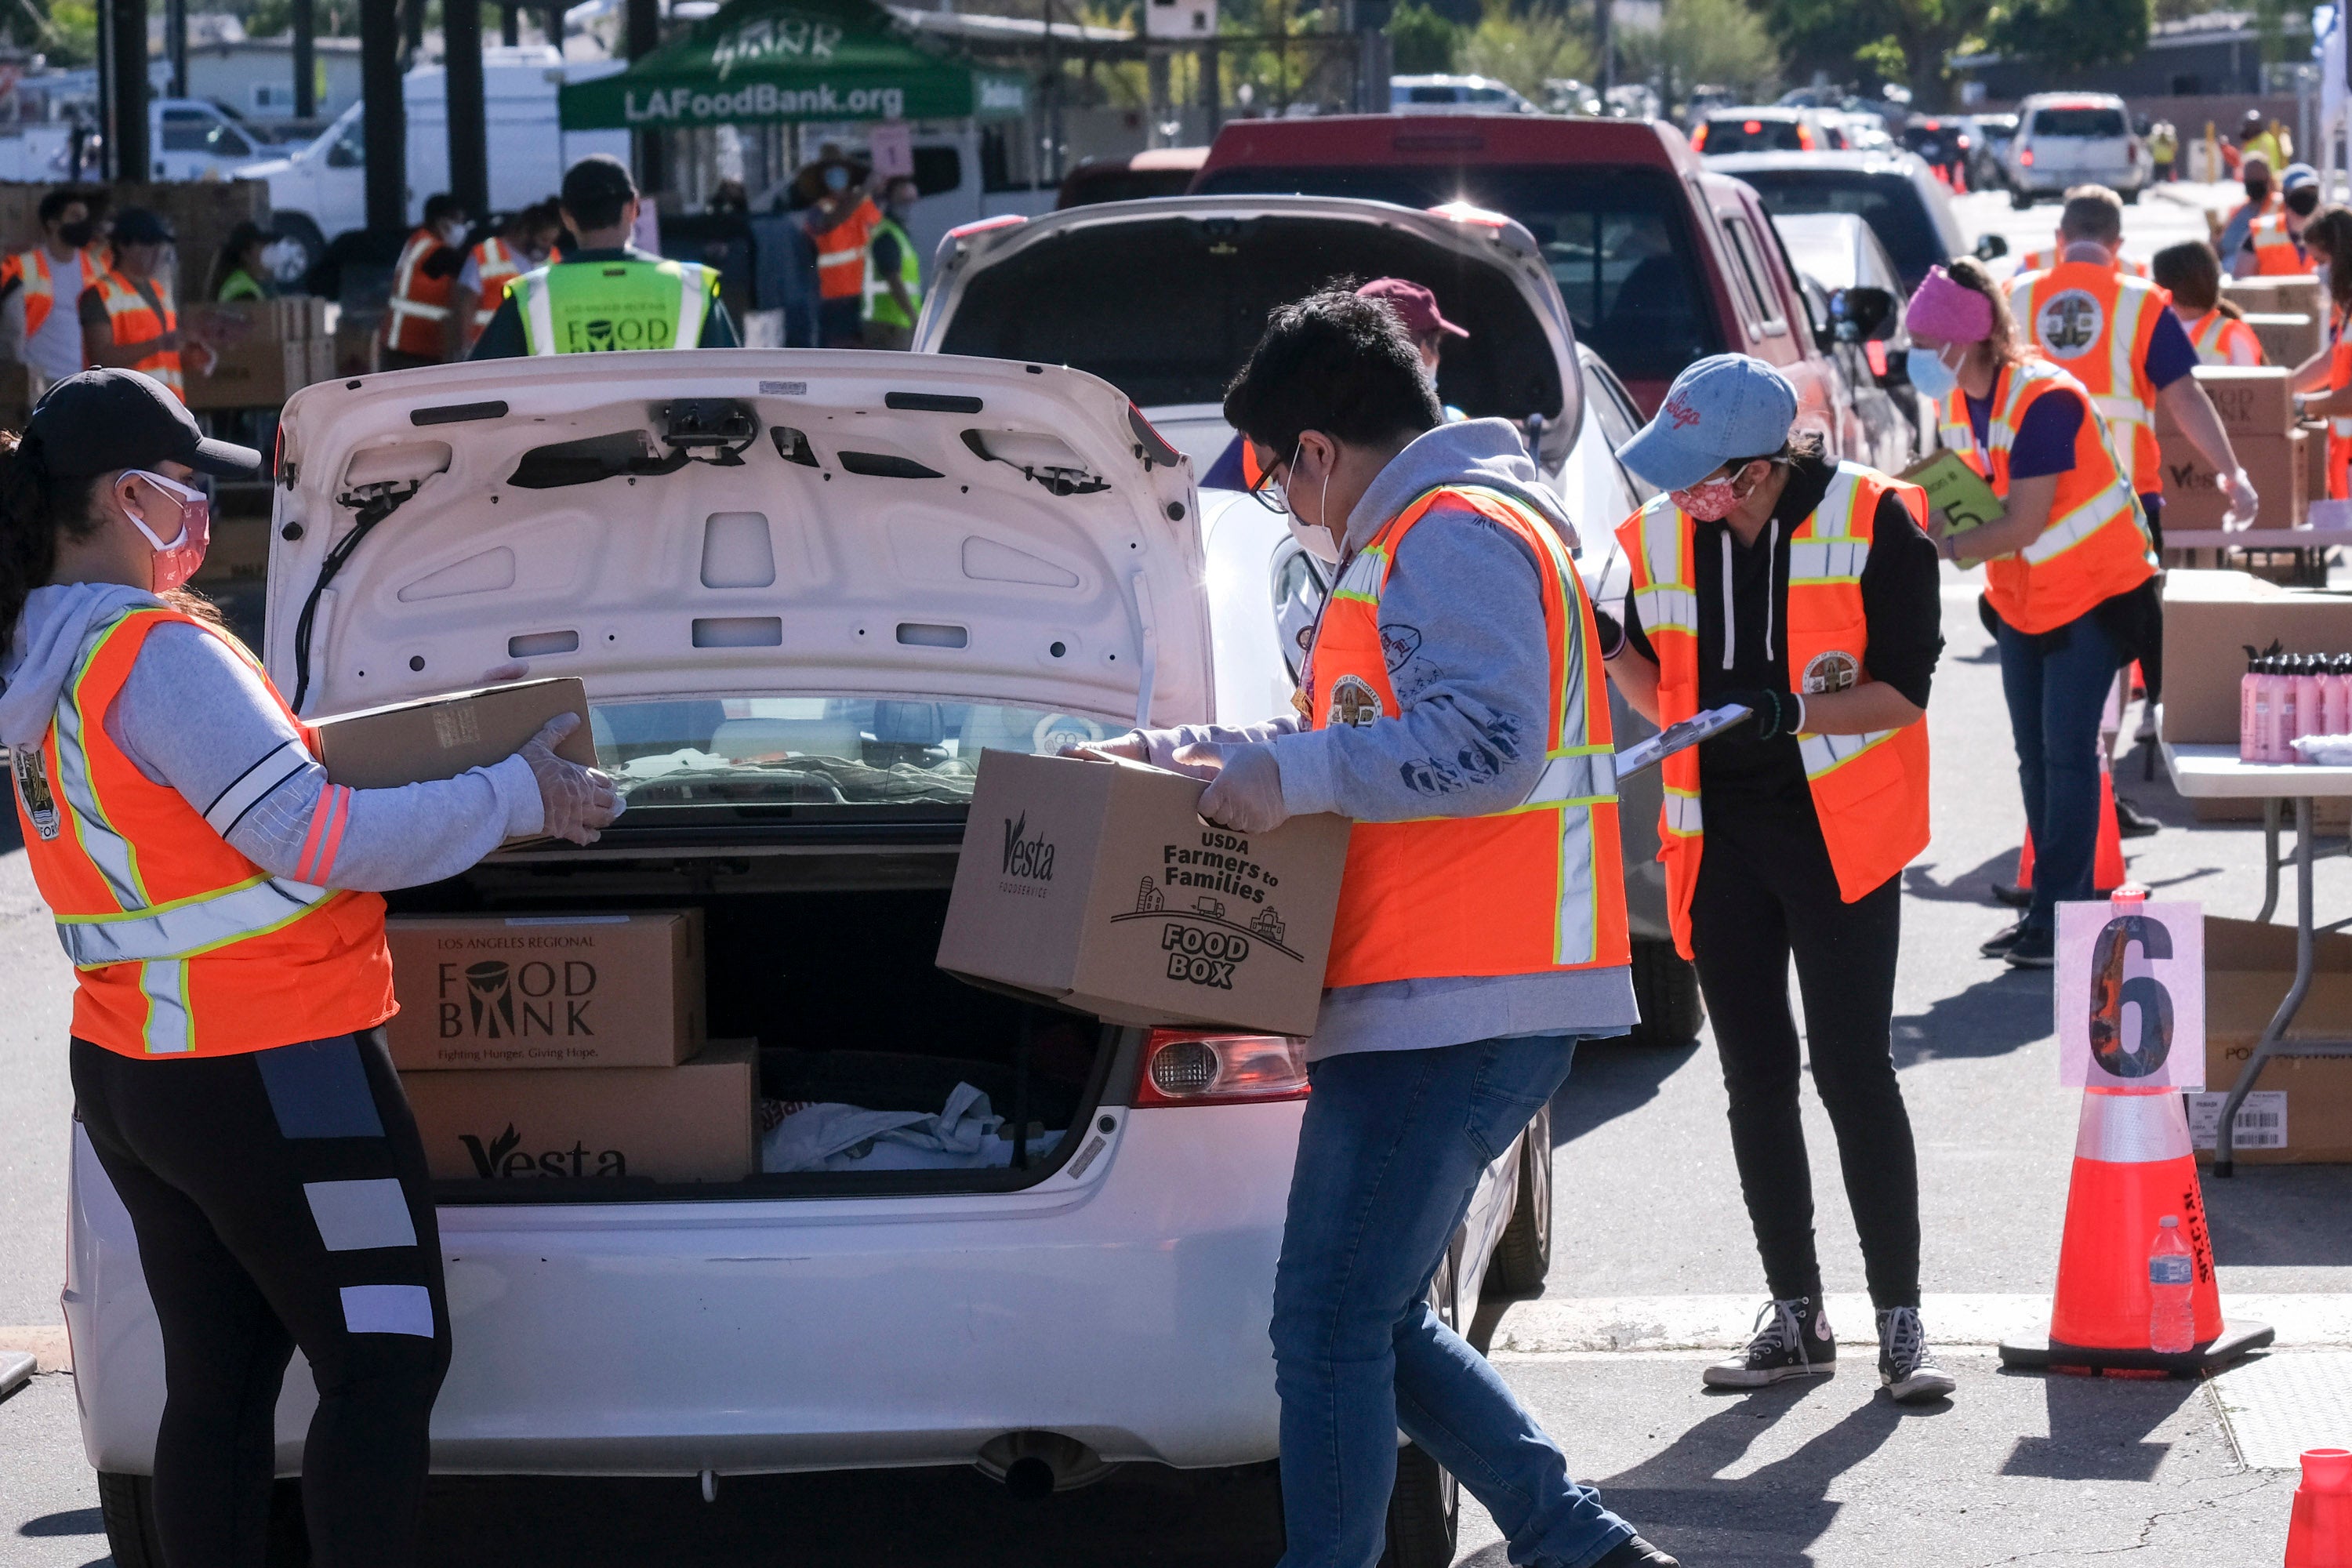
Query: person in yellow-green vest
{"x": 894, "y": 272}
{"x": 606, "y": 294}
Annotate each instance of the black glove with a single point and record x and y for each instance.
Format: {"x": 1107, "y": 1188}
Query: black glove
{"x": 1770, "y": 714}
{"x": 1611, "y": 633}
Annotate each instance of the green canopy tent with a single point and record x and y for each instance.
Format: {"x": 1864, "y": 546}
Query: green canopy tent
{"x": 789, "y": 61}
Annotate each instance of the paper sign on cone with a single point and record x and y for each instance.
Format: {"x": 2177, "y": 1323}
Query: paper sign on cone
{"x": 2130, "y": 996}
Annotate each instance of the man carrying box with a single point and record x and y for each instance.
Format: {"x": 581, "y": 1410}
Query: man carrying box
{"x": 1454, "y": 706}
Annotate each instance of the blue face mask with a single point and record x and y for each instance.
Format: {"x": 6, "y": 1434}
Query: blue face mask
{"x": 1929, "y": 373}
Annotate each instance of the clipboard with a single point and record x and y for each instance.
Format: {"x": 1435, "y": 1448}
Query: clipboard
{"x": 1679, "y": 737}
{"x": 1956, "y": 490}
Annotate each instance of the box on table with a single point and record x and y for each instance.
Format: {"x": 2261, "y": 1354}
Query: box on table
{"x": 2274, "y": 464}
{"x": 2302, "y": 293}
{"x": 260, "y": 373}
{"x": 2288, "y": 338}
{"x": 441, "y": 737}
{"x": 2302, "y": 1106}
{"x": 2210, "y": 618}
{"x": 1097, "y": 885}
{"x": 691, "y": 1122}
{"x": 2252, "y": 400}
{"x": 602, "y": 991}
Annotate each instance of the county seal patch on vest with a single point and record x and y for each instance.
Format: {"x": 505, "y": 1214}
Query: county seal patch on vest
{"x": 1835, "y": 670}
{"x": 2068, "y": 323}
{"x": 1353, "y": 703}
{"x": 32, "y": 775}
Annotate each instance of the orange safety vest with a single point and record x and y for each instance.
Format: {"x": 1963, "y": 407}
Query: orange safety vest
{"x": 419, "y": 304}
{"x": 2096, "y": 325}
{"x": 1534, "y": 889}
{"x": 841, "y": 253}
{"x": 134, "y": 321}
{"x": 1869, "y": 791}
{"x": 2277, "y": 254}
{"x": 2044, "y": 260}
{"x": 498, "y": 266}
{"x": 2096, "y": 543}
{"x": 2224, "y": 339}
{"x": 2339, "y": 429}
{"x": 181, "y": 945}
{"x": 34, "y": 268}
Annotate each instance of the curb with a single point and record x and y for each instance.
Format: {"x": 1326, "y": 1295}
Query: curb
{"x": 46, "y": 1344}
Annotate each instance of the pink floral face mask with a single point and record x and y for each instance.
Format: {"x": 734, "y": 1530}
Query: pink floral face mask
{"x": 1710, "y": 500}
{"x": 177, "y": 561}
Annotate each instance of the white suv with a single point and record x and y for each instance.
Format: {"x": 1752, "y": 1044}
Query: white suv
{"x": 804, "y": 589}
{"x": 2074, "y": 139}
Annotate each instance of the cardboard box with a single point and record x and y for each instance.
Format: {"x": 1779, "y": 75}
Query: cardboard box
{"x": 546, "y": 991}
{"x": 441, "y": 737}
{"x": 2287, "y": 338}
{"x": 2252, "y": 400}
{"x": 692, "y": 1122}
{"x": 263, "y": 348}
{"x": 2209, "y": 619}
{"x": 2301, "y": 294}
{"x": 1097, "y": 885}
{"x": 2276, "y": 464}
{"x": 2248, "y": 969}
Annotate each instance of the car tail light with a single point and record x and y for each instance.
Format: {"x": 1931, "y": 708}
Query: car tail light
{"x": 1464, "y": 212}
{"x": 1874, "y": 350}
{"x": 2026, "y": 157}
{"x": 1804, "y": 139}
{"x": 1699, "y": 137}
{"x": 1184, "y": 1067}
{"x": 1005, "y": 220}
{"x": 2131, "y": 154}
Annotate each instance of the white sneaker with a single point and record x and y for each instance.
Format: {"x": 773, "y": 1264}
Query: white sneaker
{"x": 1907, "y": 1367}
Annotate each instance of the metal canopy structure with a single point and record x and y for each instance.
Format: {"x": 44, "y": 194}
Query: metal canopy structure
{"x": 789, "y": 60}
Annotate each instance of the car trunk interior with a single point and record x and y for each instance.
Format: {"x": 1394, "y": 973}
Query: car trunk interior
{"x": 826, "y": 961}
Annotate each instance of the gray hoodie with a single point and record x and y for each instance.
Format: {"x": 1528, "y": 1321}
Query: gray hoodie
{"x": 1461, "y": 616}
{"x": 196, "y": 717}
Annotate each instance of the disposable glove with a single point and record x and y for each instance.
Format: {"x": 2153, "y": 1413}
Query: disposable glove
{"x": 2239, "y": 491}
{"x": 575, "y": 801}
{"x": 1245, "y": 791}
{"x": 1771, "y": 714}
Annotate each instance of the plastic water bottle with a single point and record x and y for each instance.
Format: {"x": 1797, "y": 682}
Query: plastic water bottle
{"x": 2171, "y": 1281}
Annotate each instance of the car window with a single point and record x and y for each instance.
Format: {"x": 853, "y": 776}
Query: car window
{"x": 186, "y": 130}
{"x": 1433, "y": 95}
{"x": 2078, "y": 123}
{"x": 1618, "y": 241}
{"x": 1758, "y": 277}
{"x": 1300, "y": 589}
{"x": 1736, "y": 133}
{"x": 1887, "y": 203}
{"x": 1612, "y": 409}
{"x": 349, "y": 149}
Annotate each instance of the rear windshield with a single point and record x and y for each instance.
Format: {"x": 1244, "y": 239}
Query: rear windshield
{"x": 2078, "y": 123}
{"x": 1166, "y": 309}
{"x": 1736, "y": 133}
{"x": 815, "y": 751}
{"x": 1618, "y": 238}
{"x": 1889, "y": 204}
{"x": 1115, "y": 183}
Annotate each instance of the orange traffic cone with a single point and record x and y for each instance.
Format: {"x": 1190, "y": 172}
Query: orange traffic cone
{"x": 2108, "y": 862}
{"x": 2320, "y": 1532}
{"x": 1959, "y": 179}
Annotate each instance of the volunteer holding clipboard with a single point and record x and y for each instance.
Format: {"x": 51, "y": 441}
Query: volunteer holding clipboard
{"x": 1804, "y": 591}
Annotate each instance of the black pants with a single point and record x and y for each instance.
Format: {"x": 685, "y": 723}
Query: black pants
{"x": 279, "y": 1200}
{"x": 1766, "y": 890}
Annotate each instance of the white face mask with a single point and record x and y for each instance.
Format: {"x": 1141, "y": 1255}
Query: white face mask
{"x": 1315, "y": 537}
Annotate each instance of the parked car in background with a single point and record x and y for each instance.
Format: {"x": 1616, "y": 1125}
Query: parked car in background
{"x": 1455, "y": 94}
{"x": 1989, "y": 157}
{"x": 2071, "y": 139}
{"x": 1766, "y": 130}
{"x": 1158, "y": 172}
{"x": 1895, "y": 193}
{"x": 1940, "y": 140}
{"x": 1861, "y": 297}
{"x": 1659, "y": 260}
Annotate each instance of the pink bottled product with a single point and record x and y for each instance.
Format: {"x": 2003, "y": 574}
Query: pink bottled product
{"x": 2308, "y": 718}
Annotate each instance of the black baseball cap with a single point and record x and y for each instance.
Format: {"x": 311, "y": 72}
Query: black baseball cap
{"x": 137, "y": 225}
{"x": 599, "y": 177}
{"x": 100, "y": 420}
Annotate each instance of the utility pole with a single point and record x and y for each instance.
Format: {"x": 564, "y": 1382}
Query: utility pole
{"x": 122, "y": 77}
{"x": 1155, "y": 79}
{"x": 306, "y": 58}
{"x": 510, "y": 24}
{"x": 1605, "y": 49}
{"x": 1211, "y": 96}
{"x": 412, "y": 31}
{"x": 555, "y": 26}
{"x": 642, "y": 36}
{"x": 385, "y": 118}
{"x": 1053, "y": 98}
{"x": 469, "y": 143}
{"x": 175, "y": 45}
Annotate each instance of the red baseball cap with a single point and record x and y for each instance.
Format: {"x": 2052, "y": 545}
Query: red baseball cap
{"x": 1415, "y": 306}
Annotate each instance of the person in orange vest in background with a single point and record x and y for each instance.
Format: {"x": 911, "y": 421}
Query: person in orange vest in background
{"x": 1804, "y": 591}
{"x": 129, "y": 318}
{"x": 2217, "y": 330}
{"x": 47, "y": 341}
{"x": 841, "y": 225}
{"x": 2262, "y": 201}
{"x": 2070, "y": 568}
{"x": 2044, "y": 259}
{"x": 2273, "y": 247}
{"x": 2323, "y": 382}
{"x": 1453, "y": 706}
{"x": 218, "y": 897}
{"x": 417, "y": 317}
{"x": 525, "y": 240}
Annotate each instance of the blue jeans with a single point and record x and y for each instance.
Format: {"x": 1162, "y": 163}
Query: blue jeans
{"x": 2056, "y": 697}
{"x": 1388, "y": 1157}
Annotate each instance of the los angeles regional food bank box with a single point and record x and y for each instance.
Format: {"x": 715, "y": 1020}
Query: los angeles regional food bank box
{"x": 546, "y": 991}
{"x": 1097, "y": 885}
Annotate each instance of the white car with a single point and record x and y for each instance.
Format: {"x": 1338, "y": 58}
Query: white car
{"x": 1456, "y": 95}
{"x": 804, "y": 589}
{"x": 2071, "y": 139}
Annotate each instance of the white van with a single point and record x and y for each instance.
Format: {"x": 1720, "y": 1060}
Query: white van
{"x": 2073, "y": 139}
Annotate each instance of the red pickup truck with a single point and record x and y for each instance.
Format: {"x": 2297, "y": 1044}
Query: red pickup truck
{"x": 1661, "y": 262}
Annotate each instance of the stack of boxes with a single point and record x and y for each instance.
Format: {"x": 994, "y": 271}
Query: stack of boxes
{"x": 267, "y": 350}
{"x": 2288, "y": 314}
{"x": 2257, "y": 410}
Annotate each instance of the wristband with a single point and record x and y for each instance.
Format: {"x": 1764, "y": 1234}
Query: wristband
{"x": 1798, "y": 727}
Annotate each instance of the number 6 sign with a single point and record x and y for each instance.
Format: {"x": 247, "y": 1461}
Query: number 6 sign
{"x": 2130, "y": 996}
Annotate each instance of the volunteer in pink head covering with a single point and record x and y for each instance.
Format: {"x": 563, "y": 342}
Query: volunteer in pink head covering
{"x": 2070, "y": 567}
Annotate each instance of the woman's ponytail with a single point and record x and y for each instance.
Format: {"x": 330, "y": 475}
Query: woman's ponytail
{"x": 34, "y": 509}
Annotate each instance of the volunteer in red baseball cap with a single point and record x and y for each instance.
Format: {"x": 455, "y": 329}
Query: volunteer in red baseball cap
{"x": 1416, "y": 307}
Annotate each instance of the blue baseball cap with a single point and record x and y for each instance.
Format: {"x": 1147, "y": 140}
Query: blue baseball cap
{"x": 1723, "y": 407}
{"x": 2298, "y": 175}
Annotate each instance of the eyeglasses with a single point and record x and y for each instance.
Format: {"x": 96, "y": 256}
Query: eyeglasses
{"x": 1266, "y": 490}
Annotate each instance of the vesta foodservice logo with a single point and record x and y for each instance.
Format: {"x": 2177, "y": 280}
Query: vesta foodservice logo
{"x": 498, "y": 1000}
{"x": 1026, "y": 858}
{"x": 503, "y": 1158}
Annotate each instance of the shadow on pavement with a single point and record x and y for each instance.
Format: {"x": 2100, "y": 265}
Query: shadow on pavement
{"x": 2000, "y": 1013}
{"x": 1612, "y": 1078}
{"x": 2094, "y": 1423}
{"x": 2279, "y": 1216}
{"x": 1970, "y": 887}
{"x": 76, "y": 1521}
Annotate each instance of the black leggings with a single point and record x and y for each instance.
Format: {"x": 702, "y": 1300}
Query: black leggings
{"x": 1765, "y": 890}
{"x": 279, "y": 1200}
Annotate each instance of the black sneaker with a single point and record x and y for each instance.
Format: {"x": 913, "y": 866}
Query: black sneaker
{"x": 2016, "y": 895}
{"x": 1636, "y": 1554}
{"x": 2131, "y": 822}
{"x": 1792, "y": 1339}
{"x": 2034, "y": 950}
{"x": 2000, "y": 944}
{"x": 1907, "y": 1367}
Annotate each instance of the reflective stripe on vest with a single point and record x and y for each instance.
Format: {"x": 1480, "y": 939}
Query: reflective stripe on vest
{"x": 2277, "y": 254}
{"x": 1534, "y": 887}
{"x": 33, "y": 266}
{"x": 496, "y": 264}
{"x": 879, "y": 306}
{"x": 131, "y": 322}
{"x": 419, "y": 303}
{"x": 592, "y": 307}
{"x": 1869, "y": 791}
{"x": 841, "y": 253}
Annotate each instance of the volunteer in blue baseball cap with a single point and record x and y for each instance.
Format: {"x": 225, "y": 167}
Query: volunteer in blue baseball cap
{"x": 1804, "y": 591}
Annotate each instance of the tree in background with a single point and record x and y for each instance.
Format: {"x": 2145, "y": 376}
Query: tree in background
{"x": 1422, "y": 42}
{"x": 1525, "y": 49}
{"x": 2066, "y": 35}
{"x": 1822, "y": 34}
{"x": 1715, "y": 43}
